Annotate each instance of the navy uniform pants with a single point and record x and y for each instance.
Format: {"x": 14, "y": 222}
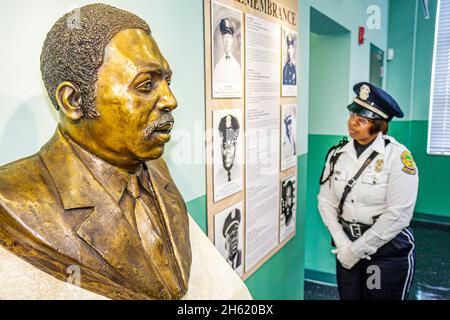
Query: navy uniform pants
{"x": 387, "y": 276}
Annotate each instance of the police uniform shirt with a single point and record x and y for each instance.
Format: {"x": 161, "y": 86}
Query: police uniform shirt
{"x": 385, "y": 192}
{"x": 221, "y": 177}
{"x": 288, "y": 148}
{"x": 289, "y": 74}
{"x": 227, "y": 70}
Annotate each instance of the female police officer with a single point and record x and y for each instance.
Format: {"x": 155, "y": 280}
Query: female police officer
{"x": 367, "y": 197}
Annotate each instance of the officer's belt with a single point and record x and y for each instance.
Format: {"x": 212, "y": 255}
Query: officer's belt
{"x": 353, "y": 228}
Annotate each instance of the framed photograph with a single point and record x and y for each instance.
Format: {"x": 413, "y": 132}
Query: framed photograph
{"x": 288, "y": 136}
{"x": 226, "y": 53}
{"x": 288, "y": 207}
{"x": 289, "y": 76}
{"x": 228, "y": 152}
{"x": 229, "y": 236}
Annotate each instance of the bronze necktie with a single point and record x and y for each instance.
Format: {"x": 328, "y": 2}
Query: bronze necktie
{"x": 148, "y": 231}
{"x": 152, "y": 240}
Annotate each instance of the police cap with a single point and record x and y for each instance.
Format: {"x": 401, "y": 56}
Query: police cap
{"x": 374, "y": 103}
{"x": 226, "y": 26}
{"x": 233, "y": 219}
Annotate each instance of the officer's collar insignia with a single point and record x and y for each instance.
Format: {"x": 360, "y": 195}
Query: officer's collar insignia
{"x": 409, "y": 166}
{"x": 364, "y": 92}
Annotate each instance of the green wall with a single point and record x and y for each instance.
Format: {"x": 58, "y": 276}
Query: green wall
{"x": 318, "y": 254}
{"x": 434, "y": 171}
{"x": 409, "y": 80}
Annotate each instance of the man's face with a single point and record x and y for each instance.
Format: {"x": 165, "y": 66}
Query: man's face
{"x": 133, "y": 98}
{"x": 228, "y": 152}
{"x": 290, "y": 52}
{"x": 232, "y": 241}
{"x": 227, "y": 43}
{"x": 289, "y": 198}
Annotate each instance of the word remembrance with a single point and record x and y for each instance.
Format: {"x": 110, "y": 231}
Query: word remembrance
{"x": 272, "y": 9}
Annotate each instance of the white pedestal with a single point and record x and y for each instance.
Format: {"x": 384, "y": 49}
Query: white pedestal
{"x": 211, "y": 277}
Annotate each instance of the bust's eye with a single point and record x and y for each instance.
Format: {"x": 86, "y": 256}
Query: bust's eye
{"x": 145, "y": 86}
{"x": 169, "y": 80}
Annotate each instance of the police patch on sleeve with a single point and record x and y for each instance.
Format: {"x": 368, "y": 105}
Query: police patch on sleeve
{"x": 409, "y": 166}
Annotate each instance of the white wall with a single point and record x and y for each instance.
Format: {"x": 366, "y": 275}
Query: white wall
{"x": 350, "y": 14}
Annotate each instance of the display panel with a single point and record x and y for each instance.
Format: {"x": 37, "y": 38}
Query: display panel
{"x": 251, "y": 127}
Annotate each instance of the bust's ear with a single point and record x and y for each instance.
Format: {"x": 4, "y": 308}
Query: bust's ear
{"x": 68, "y": 97}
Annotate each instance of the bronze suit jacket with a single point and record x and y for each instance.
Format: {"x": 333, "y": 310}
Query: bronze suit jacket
{"x": 54, "y": 214}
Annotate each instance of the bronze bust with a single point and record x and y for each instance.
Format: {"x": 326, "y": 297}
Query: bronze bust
{"x": 99, "y": 195}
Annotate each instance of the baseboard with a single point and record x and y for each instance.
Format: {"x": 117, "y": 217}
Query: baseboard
{"x": 320, "y": 277}
{"x": 431, "y": 218}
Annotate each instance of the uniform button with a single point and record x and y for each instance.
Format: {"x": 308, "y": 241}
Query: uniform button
{"x": 353, "y": 201}
{"x": 335, "y": 179}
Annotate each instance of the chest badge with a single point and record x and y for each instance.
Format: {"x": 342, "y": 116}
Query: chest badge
{"x": 379, "y": 165}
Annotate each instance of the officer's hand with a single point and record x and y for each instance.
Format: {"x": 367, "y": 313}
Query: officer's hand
{"x": 346, "y": 256}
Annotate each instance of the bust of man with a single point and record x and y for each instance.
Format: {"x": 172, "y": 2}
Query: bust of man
{"x": 98, "y": 195}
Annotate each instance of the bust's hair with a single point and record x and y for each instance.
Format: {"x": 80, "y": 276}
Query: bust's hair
{"x": 74, "y": 49}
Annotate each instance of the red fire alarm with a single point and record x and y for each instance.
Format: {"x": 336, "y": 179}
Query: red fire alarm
{"x": 361, "y": 35}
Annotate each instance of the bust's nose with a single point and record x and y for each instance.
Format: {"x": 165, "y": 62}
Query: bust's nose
{"x": 167, "y": 100}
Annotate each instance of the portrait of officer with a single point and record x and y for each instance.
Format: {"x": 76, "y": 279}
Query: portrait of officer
{"x": 287, "y": 201}
{"x": 230, "y": 233}
{"x": 289, "y": 68}
{"x": 289, "y": 149}
{"x": 229, "y": 132}
{"x": 227, "y": 69}
{"x": 99, "y": 195}
{"x": 367, "y": 196}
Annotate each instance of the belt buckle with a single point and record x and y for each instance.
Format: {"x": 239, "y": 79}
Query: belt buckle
{"x": 355, "y": 230}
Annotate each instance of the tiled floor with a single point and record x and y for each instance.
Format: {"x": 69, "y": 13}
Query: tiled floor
{"x": 432, "y": 279}
{"x": 315, "y": 291}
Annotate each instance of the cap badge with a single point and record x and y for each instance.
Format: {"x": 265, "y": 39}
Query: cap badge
{"x": 364, "y": 92}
